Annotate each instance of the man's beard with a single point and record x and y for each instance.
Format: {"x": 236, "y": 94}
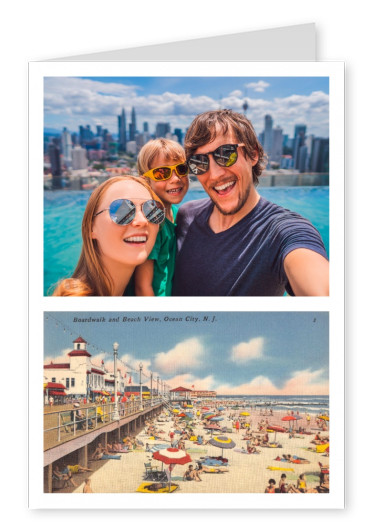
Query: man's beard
{"x": 242, "y": 201}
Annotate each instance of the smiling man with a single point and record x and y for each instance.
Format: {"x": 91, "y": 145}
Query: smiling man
{"x": 236, "y": 242}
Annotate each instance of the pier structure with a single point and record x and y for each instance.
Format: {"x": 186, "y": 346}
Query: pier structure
{"x": 71, "y": 434}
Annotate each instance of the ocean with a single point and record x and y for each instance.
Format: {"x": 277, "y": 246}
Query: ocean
{"x": 312, "y": 404}
{"x": 63, "y": 211}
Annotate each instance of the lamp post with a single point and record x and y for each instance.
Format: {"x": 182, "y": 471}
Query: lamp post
{"x": 151, "y": 388}
{"x": 141, "y": 385}
{"x": 115, "y": 415}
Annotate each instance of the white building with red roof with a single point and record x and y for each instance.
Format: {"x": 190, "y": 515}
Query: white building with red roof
{"x": 79, "y": 376}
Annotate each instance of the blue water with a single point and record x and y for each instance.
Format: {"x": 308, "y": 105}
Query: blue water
{"x": 313, "y": 404}
{"x": 63, "y": 211}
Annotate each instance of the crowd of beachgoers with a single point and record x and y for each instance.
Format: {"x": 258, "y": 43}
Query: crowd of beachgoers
{"x": 218, "y": 446}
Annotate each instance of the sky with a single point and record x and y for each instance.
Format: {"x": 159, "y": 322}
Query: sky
{"x": 70, "y": 102}
{"x": 233, "y": 353}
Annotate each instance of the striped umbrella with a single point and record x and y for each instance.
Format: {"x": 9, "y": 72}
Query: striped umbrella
{"x": 222, "y": 441}
{"x": 171, "y": 457}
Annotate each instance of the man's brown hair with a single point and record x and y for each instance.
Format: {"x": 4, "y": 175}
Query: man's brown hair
{"x": 207, "y": 125}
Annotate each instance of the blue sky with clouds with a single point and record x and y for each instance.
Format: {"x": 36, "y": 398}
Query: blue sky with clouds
{"x": 230, "y": 352}
{"x": 71, "y": 102}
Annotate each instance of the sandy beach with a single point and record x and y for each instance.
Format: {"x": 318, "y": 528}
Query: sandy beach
{"x": 247, "y": 473}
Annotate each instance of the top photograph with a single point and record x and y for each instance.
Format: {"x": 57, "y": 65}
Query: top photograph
{"x": 186, "y": 186}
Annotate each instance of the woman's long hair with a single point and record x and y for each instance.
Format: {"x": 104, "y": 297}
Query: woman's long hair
{"x": 90, "y": 278}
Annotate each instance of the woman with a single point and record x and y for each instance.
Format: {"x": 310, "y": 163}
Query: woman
{"x": 119, "y": 229}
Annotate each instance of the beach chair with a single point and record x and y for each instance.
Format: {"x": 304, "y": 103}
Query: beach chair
{"x": 150, "y": 471}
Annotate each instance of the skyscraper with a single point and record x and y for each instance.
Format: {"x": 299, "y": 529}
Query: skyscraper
{"x": 320, "y": 155}
{"x": 299, "y": 141}
{"x": 268, "y": 135}
{"x": 66, "y": 144}
{"x": 132, "y": 125}
{"x": 277, "y": 141}
{"x": 86, "y": 135}
{"x": 161, "y": 129}
{"x": 179, "y": 134}
{"x": 54, "y": 156}
{"x": 79, "y": 158}
{"x": 122, "y": 129}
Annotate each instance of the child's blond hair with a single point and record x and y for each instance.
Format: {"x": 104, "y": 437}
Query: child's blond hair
{"x": 170, "y": 149}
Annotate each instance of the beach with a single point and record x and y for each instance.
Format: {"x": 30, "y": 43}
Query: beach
{"x": 245, "y": 473}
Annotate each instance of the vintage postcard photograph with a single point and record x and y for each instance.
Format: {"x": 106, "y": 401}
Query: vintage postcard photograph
{"x": 207, "y": 184}
{"x": 187, "y": 403}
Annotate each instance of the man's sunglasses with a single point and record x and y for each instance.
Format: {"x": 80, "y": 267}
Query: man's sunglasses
{"x": 123, "y": 211}
{"x": 164, "y": 172}
{"x": 224, "y": 156}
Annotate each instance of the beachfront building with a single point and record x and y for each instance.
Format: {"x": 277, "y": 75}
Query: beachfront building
{"x": 203, "y": 394}
{"x": 79, "y": 376}
{"x": 180, "y": 394}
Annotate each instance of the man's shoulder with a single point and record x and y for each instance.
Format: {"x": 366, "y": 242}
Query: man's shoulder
{"x": 276, "y": 214}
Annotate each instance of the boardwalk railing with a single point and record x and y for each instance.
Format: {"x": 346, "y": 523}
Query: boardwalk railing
{"x": 66, "y": 424}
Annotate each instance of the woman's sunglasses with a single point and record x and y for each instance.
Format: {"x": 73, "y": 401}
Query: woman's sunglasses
{"x": 123, "y": 211}
{"x": 164, "y": 172}
{"x": 225, "y": 156}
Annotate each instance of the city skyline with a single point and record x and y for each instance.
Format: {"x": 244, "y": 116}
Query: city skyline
{"x": 235, "y": 353}
{"x": 71, "y": 102}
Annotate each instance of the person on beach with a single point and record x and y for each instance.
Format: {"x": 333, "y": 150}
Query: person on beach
{"x": 190, "y": 474}
{"x": 119, "y": 229}
{"x": 76, "y": 469}
{"x": 270, "y": 489}
{"x": 87, "y": 487}
{"x": 236, "y": 242}
{"x": 99, "y": 452}
{"x": 302, "y": 483}
{"x": 162, "y": 163}
{"x": 65, "y": 475}
{"x": 283, "y": 485}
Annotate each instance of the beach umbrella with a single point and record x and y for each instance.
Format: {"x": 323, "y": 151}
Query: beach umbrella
{"x": 205, "y": 408}
{"x": 324, "y": 417}
{"x": 221, "y": 408}
{"x": 176, "y": 410}
{"x": 222, "y": 442}
{"x": 244, "y": 414}
{"x": 288, "y": 418}
{"x": 212, "y": 427}
{"x": 172, "y": 456}
{"x": 216, "y": 419}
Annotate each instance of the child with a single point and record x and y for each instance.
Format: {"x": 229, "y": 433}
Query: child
{"x": 162, "y": 163}
{"x": 87, "y": 487}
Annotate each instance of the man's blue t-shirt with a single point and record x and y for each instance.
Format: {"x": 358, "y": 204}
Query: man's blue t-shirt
{"x": 246, "y": 259}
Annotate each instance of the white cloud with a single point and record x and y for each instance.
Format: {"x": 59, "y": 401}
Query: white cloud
{"x": 260, "y": 86}
{"x": 247, "y": 351}
{"x": 184, "y": 356}
{"x": 188, "y": 380}
{"x": 236, "y": 94}
{"x": 304, "y": 382}
{"x": 72, "y": 102}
